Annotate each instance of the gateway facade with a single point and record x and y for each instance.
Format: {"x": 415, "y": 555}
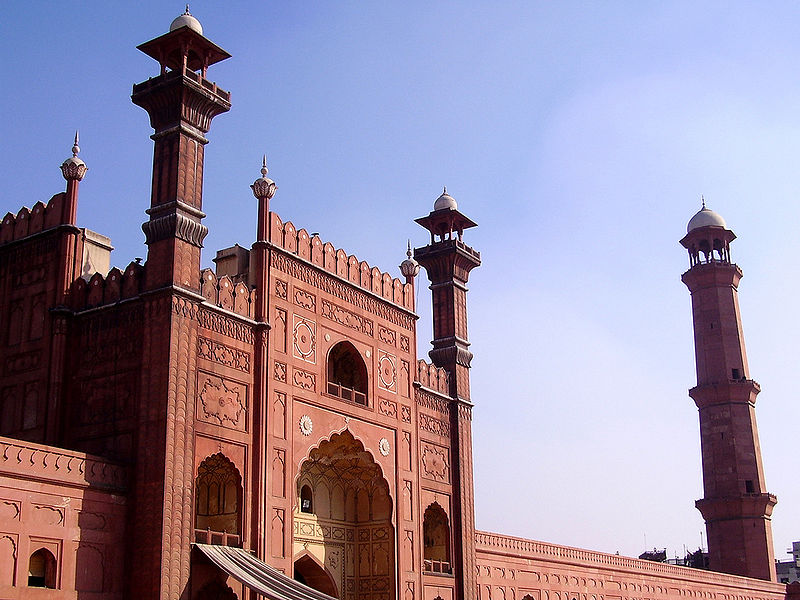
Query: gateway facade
{"x": 172, "y": 432}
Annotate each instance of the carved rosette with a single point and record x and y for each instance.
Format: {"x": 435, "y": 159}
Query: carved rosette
{"x": 384, "y": 447}
{"x": 306, "y": 425}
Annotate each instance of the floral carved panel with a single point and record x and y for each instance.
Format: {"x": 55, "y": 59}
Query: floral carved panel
{"x": 305, "y": 300}
{"x": 305, "y": 339}
{"x": 223, "y": 354}
{"x": 304, "y": 379}
{"x": 221, "y": 402}
{"x": 347, "y": 318}
{"x": 387, "y": 371}
{"x": 435, "y": 462}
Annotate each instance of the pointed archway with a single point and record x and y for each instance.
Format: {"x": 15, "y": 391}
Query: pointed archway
{"x": 308, "y": 571}
{"x": 343, "y": 522}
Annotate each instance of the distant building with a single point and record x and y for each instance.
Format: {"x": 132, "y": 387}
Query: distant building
{"x": 789, "y": 570}
{"x": 654, "y": 555}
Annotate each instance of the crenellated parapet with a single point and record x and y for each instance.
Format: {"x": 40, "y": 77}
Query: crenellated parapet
{"x": 222, "y": 292}
{"x": 101, "y": 290}
{"x": 29, "y": 221}
{"x": 433, "y": 377}
{"x": 337, "y": 262}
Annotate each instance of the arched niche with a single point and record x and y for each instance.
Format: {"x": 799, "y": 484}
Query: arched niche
{"x": 347, "y": 373}
{"x": 436, "y": 540}
{"x": 42, "y": 569}
{"x": 218, "y": 497}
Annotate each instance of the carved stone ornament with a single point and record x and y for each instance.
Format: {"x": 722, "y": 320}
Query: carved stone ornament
{"x": 384, "y": 447}
{"x": 306, "y": 425}
{"x": 175, "y": 225}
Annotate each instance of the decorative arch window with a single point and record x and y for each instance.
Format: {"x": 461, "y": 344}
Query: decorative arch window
{"x": 306, "y": 500}
{"x": 436, "y": 540}
{"x": 218, "y": 494}
{"x": 42, "y": 569}
{"x": 347, "y": 373}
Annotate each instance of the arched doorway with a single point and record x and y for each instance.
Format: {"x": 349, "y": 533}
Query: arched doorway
{"x": 309, "y": 572}
{"x": 348, "y": 536}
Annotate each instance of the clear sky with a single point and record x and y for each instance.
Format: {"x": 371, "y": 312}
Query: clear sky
{"x": 579, "y": 136}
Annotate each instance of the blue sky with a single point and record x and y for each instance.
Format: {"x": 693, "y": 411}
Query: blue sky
{"x": 579, "y": 136}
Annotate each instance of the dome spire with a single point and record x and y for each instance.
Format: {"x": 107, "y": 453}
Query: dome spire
{"x": 409, "y": 267}
{"x": 74, "y": 168}
{"x": 263, "y": 187}
{"x": 702, "y": 200}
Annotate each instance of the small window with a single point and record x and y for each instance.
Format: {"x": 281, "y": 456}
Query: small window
{"x": 734, "y": 373}
{"x": 749, "y": 487}
{"x": 306, "y": 500}
{"x": 42, "y": 569}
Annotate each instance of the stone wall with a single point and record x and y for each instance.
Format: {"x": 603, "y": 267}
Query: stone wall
{"x": 512, "y": 568}
{"x": 70, "y": 504}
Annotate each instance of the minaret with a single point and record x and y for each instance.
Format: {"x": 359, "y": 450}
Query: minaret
{"x": 448, "y": 262}
{"x": 263, "y": 189}
{"x": 736, "y": 505}
{"x": 181, "y": 103}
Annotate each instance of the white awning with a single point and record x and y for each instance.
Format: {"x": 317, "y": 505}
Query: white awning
{"x": 258, "y": 575}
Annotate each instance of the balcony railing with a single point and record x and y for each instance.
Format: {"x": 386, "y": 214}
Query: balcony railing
{"x": 346, "y": 393}
{"x": 436, "y": 566}
{"x": 217, "y": 538}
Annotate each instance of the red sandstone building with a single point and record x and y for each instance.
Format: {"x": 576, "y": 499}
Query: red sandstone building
{"x": 172, "y": 432}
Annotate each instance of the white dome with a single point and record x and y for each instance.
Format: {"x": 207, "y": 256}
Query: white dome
{"x": 187, "y": 20}
{"x": 445, "y": 201}
{"x": 705, "y": 217}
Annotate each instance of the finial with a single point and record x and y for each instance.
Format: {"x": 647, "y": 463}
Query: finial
{"x": 703, "y": 200}
{"x": 263, "y": 187}
{"x": 409, "y": 267}
{"x": 187, "y": 9}
{"x": 444, "y": 189}
{"x": 74, "y": 167}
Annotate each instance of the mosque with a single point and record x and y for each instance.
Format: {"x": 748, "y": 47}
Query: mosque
{"x": 267, "y": 428}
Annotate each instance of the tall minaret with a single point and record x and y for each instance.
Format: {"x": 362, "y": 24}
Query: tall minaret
{"x": 181, "y": 104}
{"x": 448, "y": 262}
{"x": 736, "y": 505}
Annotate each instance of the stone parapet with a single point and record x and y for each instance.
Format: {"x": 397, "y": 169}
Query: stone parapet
{"x": 337, "y": 262}
{"x": 663, "y": 580}
{"x": 29, "y": 221}
{"x": 46, "y": 463}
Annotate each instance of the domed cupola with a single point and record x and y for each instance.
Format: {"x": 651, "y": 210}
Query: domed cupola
{"x": 186, "y": 20}
{"x": 445, "y": 202}
{"x": 708, "y": 237}
{"x": 705, "y": 217}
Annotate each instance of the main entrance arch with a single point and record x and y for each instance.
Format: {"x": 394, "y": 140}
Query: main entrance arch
{"x": 349, "y": 530}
